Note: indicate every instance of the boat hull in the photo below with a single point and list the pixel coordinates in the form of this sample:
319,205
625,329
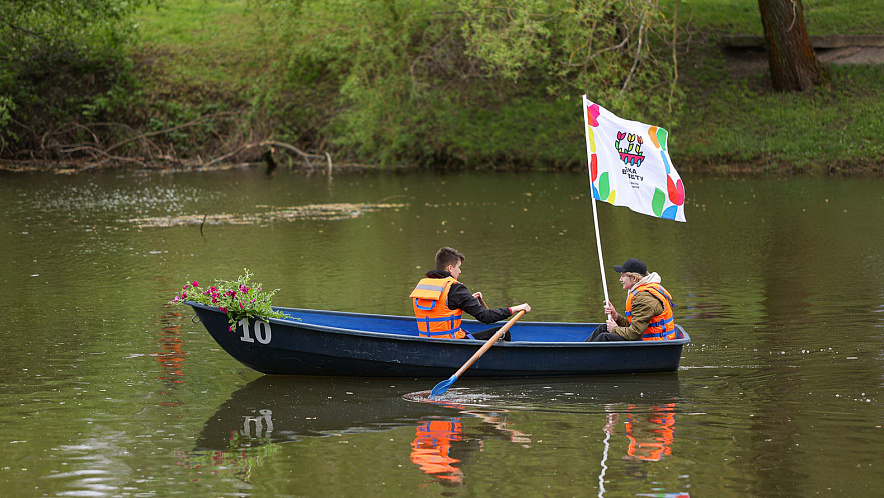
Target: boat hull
315,342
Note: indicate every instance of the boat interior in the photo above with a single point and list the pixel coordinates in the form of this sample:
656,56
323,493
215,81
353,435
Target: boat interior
401,325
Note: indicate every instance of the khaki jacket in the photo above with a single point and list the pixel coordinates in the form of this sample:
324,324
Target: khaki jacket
644,308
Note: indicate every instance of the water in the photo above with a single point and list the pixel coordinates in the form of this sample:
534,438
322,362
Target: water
109,391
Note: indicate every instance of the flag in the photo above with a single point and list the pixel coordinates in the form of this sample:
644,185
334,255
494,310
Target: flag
629,164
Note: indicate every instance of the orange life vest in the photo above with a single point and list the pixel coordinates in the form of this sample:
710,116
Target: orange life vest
434,317
431,446
662,326
654,446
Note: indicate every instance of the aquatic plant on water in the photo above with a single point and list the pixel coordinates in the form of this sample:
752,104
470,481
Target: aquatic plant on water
240,298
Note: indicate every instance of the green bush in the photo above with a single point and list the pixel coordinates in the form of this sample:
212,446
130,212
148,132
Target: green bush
62,61
414,79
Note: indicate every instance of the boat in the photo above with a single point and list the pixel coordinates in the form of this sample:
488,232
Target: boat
336,343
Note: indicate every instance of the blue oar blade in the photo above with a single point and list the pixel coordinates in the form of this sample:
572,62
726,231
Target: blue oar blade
443,386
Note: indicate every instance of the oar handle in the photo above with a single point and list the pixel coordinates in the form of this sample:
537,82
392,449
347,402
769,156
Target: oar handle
490,342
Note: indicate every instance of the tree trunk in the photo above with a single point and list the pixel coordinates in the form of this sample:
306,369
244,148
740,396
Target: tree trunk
793,63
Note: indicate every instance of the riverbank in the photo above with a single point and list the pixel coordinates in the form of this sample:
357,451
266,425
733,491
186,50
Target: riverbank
213,91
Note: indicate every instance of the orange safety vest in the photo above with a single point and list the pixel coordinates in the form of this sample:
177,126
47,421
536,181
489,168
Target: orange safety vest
663,423
662,326
431,446
434,317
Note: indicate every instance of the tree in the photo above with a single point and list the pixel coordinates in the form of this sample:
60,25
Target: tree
793,63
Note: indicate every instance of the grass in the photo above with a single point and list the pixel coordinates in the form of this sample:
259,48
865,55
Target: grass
839,17
746,124
220,42
823,17
733,119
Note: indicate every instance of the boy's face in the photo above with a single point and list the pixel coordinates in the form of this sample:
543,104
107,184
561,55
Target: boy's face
454,270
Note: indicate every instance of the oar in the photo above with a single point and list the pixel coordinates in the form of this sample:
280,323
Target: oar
443,386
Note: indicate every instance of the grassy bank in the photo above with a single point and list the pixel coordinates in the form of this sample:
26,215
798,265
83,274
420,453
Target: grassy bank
740,124
222,78
729,119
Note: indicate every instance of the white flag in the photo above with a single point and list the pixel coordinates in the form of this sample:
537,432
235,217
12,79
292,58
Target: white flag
629,164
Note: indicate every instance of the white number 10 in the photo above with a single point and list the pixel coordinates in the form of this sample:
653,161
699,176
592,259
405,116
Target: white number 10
262,331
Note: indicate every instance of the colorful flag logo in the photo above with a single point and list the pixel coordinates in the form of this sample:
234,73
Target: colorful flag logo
629,165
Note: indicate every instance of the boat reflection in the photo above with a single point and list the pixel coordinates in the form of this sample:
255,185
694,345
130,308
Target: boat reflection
247,428
639,411
275,409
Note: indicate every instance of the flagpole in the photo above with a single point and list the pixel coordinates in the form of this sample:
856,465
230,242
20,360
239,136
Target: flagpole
598,240
595,217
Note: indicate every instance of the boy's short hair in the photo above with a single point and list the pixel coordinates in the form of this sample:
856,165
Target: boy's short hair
447,256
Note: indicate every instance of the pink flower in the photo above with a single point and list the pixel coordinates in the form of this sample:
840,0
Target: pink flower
185,286
223,309
196,284
184,295
230,328
177,298
243,289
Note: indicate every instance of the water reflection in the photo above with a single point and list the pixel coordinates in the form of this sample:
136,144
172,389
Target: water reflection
650,430
441,447
638,415
171,357
650,434
445,440
431,449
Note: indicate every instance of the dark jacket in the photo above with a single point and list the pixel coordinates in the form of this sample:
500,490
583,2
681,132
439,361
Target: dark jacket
460,298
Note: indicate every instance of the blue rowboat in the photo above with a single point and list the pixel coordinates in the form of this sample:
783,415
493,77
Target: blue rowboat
317,342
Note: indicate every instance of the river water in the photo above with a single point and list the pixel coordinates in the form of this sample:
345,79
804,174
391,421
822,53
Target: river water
110,391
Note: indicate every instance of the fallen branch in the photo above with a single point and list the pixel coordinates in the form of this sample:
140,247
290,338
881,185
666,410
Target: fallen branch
174,128
152,154
107,157
273,143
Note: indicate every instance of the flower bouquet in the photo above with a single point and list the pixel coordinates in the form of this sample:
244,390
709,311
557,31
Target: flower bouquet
240,298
